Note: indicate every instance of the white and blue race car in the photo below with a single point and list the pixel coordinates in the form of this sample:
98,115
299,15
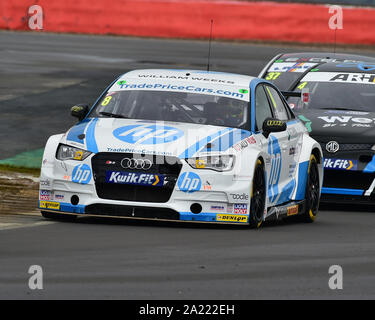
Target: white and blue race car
184,145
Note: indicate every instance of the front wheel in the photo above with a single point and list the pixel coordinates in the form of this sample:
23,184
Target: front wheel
258,196
312,196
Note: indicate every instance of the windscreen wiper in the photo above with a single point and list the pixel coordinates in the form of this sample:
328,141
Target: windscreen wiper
112,115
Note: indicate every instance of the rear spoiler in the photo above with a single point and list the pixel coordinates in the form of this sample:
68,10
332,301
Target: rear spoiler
288,94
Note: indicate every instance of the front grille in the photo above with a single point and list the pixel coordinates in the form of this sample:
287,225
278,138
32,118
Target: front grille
169,167
347,179
349,147
100,209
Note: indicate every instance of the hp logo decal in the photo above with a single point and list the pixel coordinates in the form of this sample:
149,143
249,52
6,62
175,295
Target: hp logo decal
189,182
147,134
81,174
332,146
128,163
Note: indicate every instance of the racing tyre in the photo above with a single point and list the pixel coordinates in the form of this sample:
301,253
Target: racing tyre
312,195
258,197
58,216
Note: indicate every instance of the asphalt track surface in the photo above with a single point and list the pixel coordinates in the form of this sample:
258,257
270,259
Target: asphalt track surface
42,76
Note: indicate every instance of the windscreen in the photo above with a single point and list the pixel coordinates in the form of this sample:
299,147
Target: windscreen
336,91
228,109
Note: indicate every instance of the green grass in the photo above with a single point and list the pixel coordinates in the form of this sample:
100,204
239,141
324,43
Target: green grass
25,162
9,168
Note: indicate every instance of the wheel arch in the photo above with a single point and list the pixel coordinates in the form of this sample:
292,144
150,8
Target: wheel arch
49,154
317,153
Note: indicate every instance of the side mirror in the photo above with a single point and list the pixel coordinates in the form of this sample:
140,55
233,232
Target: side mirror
79,111
273,125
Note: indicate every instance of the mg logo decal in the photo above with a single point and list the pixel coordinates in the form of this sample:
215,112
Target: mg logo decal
189,182
81,174
332,146
147,134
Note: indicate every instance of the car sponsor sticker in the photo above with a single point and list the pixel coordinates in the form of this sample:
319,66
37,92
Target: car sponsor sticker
343,121
218,208
292,210
145,179
244,143
81,174
207,186
340,164
360,78
45,182
59,197
45,195
240,196
49,205
240,208
189,182
231,218
230,208
291,67
147,134
276,165
184,86
360,65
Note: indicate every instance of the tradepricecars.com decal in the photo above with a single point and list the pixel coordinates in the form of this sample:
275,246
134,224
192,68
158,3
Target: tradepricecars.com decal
230,91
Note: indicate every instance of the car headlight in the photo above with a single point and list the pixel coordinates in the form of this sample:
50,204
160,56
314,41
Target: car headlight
65,152
217,163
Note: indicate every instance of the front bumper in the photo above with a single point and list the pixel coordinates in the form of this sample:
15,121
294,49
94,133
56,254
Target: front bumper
220,198
349,176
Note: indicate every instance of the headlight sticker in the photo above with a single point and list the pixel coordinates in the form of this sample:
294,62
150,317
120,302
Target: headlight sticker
78,155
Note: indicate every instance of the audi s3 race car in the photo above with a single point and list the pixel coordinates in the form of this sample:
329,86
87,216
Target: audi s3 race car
286,68
184,145
338,108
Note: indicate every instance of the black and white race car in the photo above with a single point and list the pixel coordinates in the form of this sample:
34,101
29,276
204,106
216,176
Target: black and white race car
338,108
286,68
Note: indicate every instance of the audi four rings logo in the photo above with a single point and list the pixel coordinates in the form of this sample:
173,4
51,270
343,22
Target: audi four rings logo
332,146
128,163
